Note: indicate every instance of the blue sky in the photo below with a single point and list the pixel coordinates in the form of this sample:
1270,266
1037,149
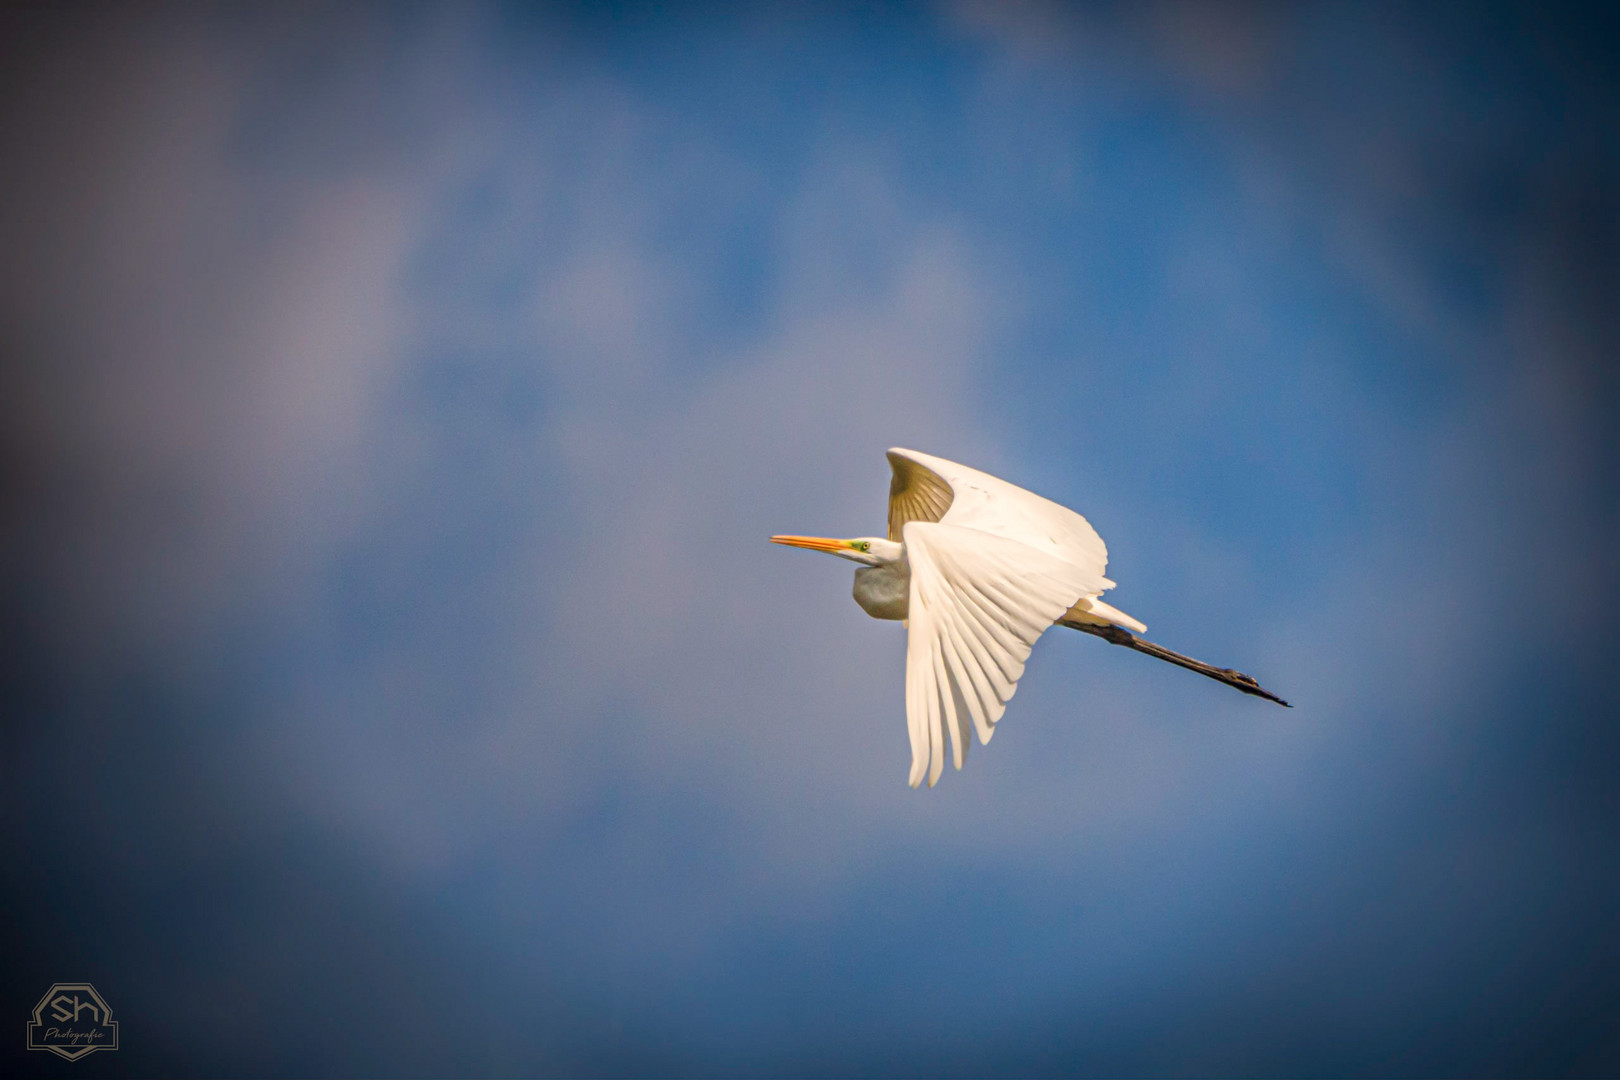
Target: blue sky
402,683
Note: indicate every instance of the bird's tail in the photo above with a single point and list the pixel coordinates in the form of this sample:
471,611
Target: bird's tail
1092,610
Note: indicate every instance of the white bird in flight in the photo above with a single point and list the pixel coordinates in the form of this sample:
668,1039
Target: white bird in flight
977,569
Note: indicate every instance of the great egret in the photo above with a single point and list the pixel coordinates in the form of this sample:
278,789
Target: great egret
977,569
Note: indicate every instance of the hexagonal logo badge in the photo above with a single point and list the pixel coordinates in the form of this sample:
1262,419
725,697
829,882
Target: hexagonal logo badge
72,1020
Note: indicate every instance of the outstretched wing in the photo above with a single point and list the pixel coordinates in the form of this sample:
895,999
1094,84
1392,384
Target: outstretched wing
916,492
927,488
978,603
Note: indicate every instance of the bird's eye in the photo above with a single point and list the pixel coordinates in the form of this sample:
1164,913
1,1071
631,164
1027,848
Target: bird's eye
866,545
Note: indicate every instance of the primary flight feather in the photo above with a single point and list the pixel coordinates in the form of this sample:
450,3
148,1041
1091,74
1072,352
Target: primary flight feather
977,569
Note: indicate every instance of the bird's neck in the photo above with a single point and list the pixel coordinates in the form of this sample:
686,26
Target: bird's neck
884,592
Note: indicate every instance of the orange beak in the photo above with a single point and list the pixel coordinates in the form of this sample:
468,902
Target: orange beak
814,543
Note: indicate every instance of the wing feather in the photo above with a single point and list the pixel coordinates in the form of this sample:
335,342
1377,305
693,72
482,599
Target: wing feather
982,705
916,493
1000,615
978,603
945,711
930,489
916,719
996,641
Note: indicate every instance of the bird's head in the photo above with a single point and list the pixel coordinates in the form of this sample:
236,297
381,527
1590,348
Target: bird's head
867,550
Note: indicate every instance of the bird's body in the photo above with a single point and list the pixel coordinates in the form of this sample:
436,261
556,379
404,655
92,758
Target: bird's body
978,569
884,592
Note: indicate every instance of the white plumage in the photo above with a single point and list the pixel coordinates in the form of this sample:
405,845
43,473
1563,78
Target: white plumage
978,568
992,566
